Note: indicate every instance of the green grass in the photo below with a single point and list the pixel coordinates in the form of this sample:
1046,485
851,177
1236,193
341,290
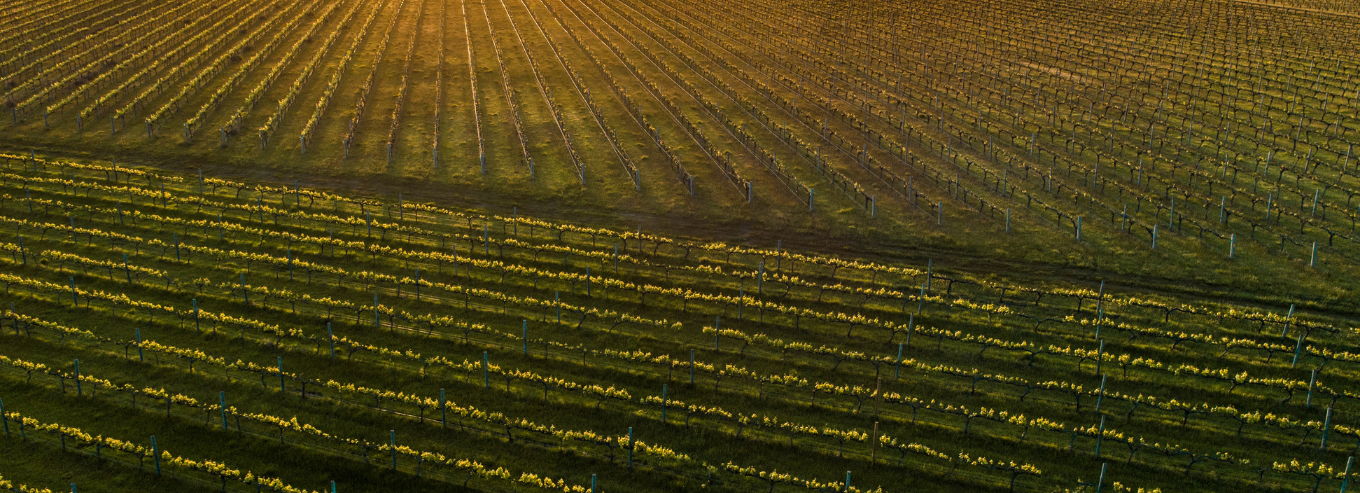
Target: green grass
607,198
705,440
993,72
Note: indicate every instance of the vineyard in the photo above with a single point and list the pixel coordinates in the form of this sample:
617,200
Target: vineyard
579,245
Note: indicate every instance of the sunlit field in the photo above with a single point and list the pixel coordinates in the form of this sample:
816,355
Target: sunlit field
620,246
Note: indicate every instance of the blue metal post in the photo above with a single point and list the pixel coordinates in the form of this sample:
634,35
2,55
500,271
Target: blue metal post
897,369
1346,477
1288,318
156,452
911,327
717,331
1101,395
1326,427
1101,437
760,278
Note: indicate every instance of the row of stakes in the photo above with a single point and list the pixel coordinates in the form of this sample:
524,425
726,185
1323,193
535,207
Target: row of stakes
872,201
486,375
392,441
939,209
486,383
